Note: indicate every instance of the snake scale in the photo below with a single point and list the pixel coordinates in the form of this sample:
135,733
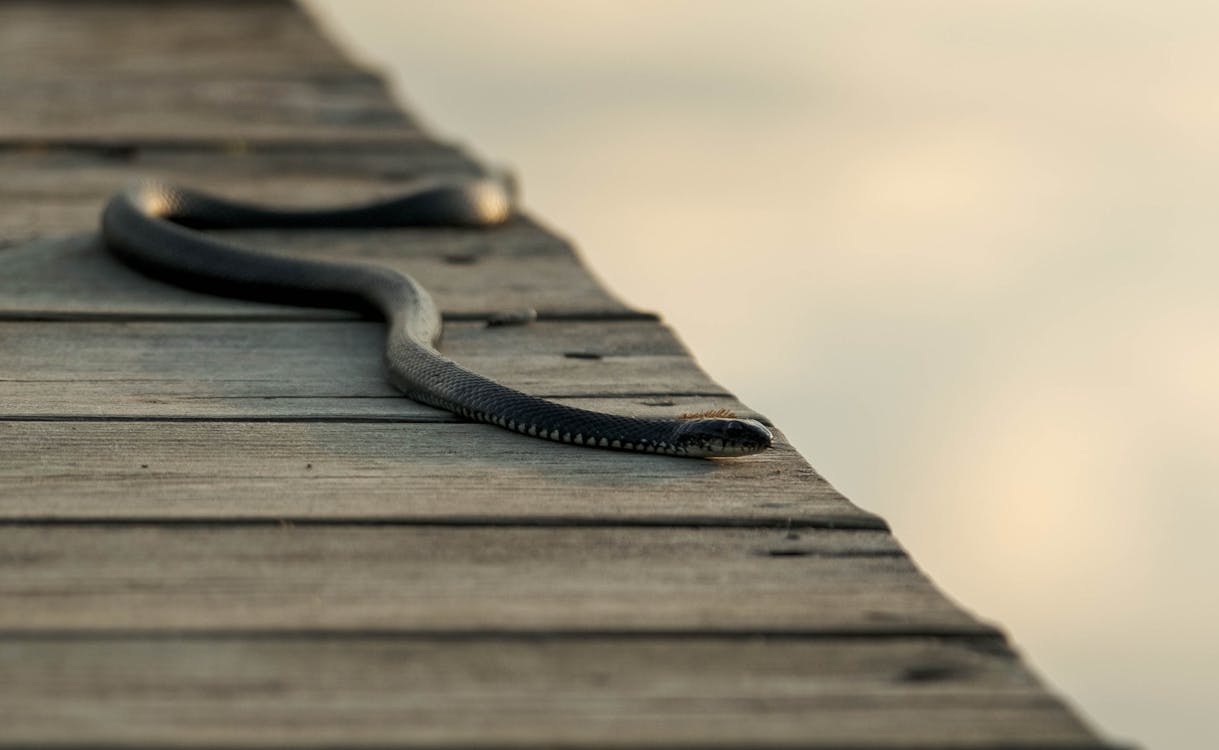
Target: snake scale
154,228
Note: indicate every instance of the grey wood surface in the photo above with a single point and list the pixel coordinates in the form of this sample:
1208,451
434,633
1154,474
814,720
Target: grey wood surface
465,473
180,70
44,38
219,527
467,579
312,691
332,106
475,274
57,188
293,369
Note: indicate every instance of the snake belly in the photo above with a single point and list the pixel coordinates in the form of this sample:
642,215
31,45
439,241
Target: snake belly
155,228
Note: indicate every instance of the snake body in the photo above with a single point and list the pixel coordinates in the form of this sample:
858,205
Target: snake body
153,227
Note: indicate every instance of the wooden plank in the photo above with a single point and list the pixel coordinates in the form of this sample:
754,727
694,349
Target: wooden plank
130,404
512,692
466,579
260,370
468,272
129,38
339,106
89,346
61,190
263,73
393,472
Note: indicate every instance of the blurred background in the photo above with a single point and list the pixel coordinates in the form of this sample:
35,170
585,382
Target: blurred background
963,254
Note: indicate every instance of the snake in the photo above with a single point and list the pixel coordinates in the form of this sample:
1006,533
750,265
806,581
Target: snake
159,230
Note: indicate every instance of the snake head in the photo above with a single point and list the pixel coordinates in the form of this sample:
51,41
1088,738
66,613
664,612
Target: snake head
715,437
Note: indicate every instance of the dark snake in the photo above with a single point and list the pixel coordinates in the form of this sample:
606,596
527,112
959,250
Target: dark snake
153,228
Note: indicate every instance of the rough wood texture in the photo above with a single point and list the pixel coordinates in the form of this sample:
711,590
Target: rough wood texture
474,274
444,579
320,106
57,189
524,692
117,38
219,527
314,369
418,472
164,71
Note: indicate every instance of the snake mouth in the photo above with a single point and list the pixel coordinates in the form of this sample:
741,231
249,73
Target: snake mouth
713,437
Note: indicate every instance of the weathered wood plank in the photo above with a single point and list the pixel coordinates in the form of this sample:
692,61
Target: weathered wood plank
139,38
61,189
174,348
255,407
398,472
511,692
466,579
287,171
471,273
340,106
259,370
263,73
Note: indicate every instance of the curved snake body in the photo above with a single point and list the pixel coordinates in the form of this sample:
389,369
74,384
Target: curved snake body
152,227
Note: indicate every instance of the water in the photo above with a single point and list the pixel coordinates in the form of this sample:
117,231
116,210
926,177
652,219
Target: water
963,254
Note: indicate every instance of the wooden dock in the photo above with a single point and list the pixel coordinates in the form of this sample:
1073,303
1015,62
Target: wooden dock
220,527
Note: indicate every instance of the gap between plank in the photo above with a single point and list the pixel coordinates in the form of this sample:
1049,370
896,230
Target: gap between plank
330,316
121,147
439,419
767,745
828,521
982,638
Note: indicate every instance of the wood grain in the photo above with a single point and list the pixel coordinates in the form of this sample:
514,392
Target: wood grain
402,472
515,693
257,370
179,71
131,38
330,105
61,189
463,580
470,273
